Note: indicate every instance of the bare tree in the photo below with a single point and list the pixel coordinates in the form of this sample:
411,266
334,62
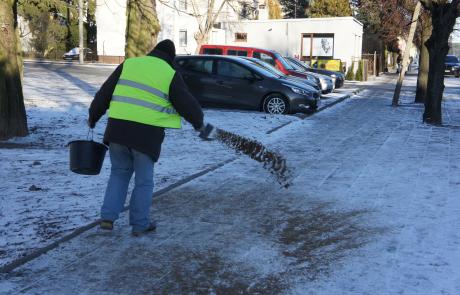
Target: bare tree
13,121
444,14
206,14
424,58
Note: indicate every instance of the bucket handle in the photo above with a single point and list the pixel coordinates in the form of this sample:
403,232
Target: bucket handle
92,134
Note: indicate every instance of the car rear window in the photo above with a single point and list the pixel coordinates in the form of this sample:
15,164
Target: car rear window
197,65
265,71
213,51
285,64
264,57
296,66
296,63
451,59
237,52
269,67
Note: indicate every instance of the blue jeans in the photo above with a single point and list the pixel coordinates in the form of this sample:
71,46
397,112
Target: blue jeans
125,162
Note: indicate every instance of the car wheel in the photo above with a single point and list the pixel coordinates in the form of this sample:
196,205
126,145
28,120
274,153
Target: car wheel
313,108
276,104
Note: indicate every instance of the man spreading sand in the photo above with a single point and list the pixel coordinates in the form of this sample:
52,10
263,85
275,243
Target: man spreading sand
144,95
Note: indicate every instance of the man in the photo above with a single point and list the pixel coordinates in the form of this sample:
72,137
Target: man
399,63
144,95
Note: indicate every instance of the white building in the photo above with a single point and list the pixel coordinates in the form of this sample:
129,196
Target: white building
175,21
323,38
330,38
111,28
180,26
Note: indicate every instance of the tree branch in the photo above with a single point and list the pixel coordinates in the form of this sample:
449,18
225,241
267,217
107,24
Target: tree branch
194,14
427,4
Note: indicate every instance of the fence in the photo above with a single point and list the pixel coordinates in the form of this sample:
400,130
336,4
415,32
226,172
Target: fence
374,63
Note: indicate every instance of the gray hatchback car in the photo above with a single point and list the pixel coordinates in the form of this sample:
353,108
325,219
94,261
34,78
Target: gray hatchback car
227,81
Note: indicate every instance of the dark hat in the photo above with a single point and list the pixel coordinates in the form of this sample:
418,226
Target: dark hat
167,47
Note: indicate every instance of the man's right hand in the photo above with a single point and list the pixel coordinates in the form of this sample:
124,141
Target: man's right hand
206,132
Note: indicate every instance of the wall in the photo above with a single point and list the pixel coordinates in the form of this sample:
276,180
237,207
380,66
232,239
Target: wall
284,35
111,28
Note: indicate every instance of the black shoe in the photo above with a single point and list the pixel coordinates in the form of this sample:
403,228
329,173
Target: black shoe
152,227
106,224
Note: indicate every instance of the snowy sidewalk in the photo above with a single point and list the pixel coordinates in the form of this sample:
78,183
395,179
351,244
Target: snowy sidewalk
41,201
374,209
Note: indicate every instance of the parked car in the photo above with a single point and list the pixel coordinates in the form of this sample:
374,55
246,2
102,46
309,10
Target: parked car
337,76
452,66
270,56
226,81
74,54
326,82
273,69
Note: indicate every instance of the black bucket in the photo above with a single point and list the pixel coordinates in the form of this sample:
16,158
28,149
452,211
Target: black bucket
86,156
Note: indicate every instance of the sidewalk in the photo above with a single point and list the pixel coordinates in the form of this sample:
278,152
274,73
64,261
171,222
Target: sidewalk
374,209
42,202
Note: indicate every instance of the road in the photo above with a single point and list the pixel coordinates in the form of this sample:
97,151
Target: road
373,209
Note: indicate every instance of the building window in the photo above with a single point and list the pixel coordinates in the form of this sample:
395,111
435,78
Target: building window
183,5
241,37
183,38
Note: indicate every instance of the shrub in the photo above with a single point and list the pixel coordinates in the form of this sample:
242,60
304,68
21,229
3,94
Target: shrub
351,72
359,73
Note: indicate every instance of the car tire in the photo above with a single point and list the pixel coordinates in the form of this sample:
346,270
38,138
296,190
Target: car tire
276,104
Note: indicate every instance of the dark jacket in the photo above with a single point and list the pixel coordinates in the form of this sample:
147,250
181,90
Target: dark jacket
144,138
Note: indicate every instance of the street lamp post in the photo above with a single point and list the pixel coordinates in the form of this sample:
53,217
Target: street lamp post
80,29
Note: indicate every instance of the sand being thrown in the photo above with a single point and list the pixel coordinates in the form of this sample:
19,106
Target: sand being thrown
272,161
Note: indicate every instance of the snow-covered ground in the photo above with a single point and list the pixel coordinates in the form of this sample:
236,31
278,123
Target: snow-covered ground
41,200
373,209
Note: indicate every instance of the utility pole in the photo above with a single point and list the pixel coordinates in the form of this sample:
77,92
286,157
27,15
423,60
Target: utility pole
80,29
405,61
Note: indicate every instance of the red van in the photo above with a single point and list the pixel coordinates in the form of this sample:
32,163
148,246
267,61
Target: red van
269,56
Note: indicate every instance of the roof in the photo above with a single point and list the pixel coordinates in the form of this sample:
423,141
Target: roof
293,20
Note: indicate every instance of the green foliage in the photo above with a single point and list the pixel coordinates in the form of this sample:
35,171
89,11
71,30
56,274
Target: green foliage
295,9
53,24
351,72
142,27
359,73
330,8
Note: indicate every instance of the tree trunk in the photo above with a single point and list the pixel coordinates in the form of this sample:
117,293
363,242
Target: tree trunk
142,27
443,19
68,38
424,61
13,120
201,38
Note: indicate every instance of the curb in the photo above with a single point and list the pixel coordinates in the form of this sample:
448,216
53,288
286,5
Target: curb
23,260
69,63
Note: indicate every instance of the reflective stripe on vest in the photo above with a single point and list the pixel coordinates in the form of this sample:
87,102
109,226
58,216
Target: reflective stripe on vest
140,86
143,103
142,93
